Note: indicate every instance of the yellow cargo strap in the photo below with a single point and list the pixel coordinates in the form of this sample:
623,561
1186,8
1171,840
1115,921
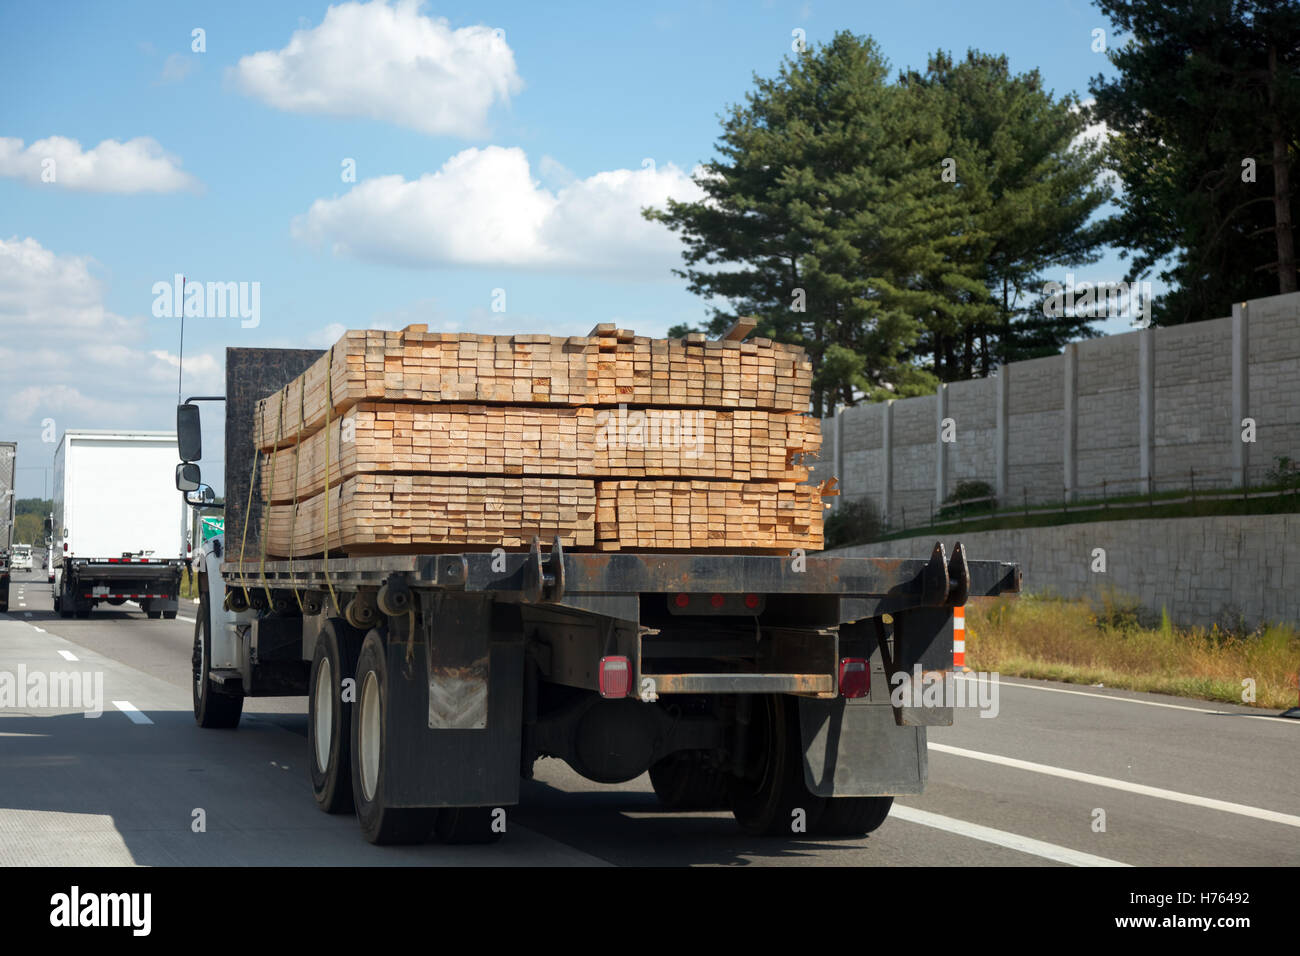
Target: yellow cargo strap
293,518
329,408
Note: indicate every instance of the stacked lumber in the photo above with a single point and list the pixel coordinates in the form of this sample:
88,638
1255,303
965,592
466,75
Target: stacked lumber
609,367
379,437
423,441
700,515
409,512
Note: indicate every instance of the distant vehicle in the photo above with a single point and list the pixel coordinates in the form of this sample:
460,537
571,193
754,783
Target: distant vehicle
118,534
21,559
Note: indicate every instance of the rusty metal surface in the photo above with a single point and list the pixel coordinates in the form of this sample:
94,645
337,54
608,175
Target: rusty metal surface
744,683
251,375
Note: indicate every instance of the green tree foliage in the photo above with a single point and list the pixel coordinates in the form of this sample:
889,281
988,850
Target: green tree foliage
872,221
1032,183
1207,92
29,520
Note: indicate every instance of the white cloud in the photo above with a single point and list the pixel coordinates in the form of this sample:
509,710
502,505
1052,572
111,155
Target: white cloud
177,66
484,208
136,166
70,359
387,63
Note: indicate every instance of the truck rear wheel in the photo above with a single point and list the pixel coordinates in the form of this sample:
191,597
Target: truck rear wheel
466,825
380,823
771,799
212,708
683,781
329,717
853,816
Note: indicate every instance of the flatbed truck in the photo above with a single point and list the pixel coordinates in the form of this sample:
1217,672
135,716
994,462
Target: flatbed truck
436,681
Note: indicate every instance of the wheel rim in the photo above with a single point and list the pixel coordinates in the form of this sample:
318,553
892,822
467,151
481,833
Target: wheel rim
368,736
324,724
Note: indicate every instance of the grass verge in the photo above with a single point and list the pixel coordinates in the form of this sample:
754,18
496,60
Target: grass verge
1071,641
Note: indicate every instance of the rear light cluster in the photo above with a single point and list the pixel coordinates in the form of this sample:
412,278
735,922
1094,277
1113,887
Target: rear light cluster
855,677
684,603
615,676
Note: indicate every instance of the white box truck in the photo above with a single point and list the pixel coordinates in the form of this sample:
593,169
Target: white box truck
118,534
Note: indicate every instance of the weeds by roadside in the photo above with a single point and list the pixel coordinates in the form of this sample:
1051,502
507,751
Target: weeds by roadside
1119,646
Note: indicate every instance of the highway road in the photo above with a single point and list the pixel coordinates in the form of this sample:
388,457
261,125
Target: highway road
1175,781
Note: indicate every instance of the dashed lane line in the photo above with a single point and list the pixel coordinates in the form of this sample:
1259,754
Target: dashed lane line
1012,841
134,715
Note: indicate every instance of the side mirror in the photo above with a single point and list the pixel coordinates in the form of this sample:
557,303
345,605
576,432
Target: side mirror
188,477
189,433
200,496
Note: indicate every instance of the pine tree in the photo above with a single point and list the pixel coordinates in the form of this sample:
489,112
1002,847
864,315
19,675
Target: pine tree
1206,112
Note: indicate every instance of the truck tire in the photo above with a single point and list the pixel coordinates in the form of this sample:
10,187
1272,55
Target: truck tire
329,717
380,823
853,816
466,825
682,781
212,709
766,801
169,615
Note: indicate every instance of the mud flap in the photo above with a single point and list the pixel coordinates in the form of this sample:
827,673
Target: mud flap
475,763
855,748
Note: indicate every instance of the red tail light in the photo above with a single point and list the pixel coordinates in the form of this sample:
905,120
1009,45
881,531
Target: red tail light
683,599
855,677
717,600
615,676
65,547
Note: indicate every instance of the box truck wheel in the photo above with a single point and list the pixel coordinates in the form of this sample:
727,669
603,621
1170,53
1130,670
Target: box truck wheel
771,798
212,708
853,816
329,715
380,823
684,781
169,615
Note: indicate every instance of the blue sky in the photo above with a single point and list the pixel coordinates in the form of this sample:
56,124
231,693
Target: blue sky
562,111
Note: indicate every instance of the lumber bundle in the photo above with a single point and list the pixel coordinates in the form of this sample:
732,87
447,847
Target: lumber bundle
700,515
423,441
610,367
379,437
408,512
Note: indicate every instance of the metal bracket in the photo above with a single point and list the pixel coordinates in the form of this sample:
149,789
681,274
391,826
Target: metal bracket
543,581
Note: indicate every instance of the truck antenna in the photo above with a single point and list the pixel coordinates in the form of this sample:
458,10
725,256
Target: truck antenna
180,358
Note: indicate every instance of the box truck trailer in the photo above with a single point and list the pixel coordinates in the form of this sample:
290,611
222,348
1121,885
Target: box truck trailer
118,533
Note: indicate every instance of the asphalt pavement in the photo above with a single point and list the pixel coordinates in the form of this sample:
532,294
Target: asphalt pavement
1064,775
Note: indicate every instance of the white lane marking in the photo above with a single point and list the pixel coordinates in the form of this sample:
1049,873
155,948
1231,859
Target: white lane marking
179,618
1012,841
134,715
40,629
1272,816
1133,700
68,655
